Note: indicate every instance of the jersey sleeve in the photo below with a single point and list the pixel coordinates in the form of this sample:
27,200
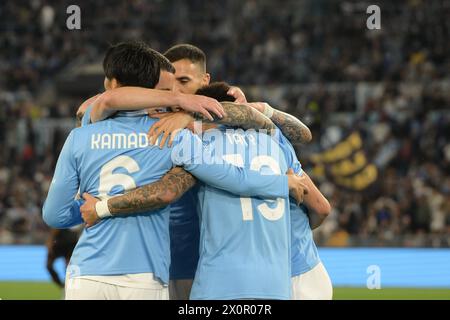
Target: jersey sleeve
87,116
289,153
195,157
60,209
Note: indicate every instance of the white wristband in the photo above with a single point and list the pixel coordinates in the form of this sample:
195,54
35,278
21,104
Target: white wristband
268,110
102,209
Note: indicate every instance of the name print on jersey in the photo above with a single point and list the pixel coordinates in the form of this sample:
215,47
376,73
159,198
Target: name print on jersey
238,141
247,143
119,141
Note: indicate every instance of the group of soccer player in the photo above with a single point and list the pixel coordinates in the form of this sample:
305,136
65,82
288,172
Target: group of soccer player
186,190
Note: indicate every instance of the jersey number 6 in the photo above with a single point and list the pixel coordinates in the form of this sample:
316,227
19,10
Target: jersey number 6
109,180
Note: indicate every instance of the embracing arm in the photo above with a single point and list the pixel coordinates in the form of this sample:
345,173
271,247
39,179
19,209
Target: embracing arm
160,194
291,127
218,172
130,98
136,98
236,115
146,198
155,195
316,202
316,221
242,116
60,211
82,108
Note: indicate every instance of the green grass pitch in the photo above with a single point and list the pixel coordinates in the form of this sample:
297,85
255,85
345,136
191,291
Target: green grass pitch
49,291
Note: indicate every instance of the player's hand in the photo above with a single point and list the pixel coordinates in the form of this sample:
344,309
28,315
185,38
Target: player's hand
297,187
238,95
201,104
82,108
88,212
169,124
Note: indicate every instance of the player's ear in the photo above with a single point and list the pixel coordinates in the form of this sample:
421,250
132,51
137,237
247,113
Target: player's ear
114,83
206,79
107,83
110,83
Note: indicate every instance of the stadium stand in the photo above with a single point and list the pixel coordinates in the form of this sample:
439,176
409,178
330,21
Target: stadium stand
309,58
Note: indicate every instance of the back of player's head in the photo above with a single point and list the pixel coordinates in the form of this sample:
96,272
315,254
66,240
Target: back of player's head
134,63
187,51
165,64
216,90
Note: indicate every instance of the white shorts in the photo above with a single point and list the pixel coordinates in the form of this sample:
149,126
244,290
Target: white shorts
124,287
312,285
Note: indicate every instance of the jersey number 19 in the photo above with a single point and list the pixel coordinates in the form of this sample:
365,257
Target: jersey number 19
256,164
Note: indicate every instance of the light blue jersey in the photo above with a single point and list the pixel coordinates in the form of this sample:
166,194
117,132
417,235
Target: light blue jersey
113,156
184,229
304,253
244,242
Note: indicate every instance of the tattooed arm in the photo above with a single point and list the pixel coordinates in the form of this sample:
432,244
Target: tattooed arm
319,207
146,198
236,115
155,195
242,116
291,127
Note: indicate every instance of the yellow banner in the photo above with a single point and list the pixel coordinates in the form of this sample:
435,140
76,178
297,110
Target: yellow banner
340,151
346,164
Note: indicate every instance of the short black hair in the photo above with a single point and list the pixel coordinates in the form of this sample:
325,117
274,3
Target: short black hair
216,90
133,63
186,51
165,64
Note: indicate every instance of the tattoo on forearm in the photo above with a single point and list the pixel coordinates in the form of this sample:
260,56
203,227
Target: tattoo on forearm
291,127
155,195
244,117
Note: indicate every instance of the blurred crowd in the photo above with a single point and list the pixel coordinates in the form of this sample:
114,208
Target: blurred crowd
313,58
409,205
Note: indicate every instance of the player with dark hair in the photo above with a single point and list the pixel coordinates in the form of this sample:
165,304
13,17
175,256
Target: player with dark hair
244,241
119,65
191,70
309,276
310,279
242,114
190,74
219,90
190,65
184,225
128,257
187,51
132,64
